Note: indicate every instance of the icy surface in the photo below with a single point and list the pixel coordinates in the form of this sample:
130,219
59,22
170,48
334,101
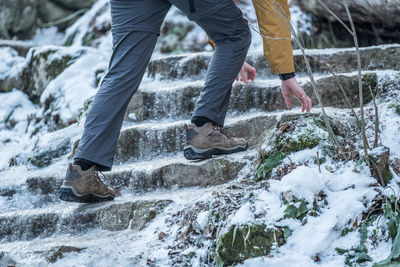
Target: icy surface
23,132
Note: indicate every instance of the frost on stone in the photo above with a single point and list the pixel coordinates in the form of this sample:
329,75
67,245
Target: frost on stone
240,243
43,64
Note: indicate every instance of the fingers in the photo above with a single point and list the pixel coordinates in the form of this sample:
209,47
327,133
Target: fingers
288,101
309,104
306,104
246,73
252,73
243,76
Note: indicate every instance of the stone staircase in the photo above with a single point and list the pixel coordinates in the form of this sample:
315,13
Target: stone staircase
156,180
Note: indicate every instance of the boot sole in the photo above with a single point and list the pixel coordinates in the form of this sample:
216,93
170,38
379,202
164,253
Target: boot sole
67,194
190,152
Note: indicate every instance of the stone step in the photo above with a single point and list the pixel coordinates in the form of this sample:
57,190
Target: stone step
151,139
121,214
160,173
341,60
177,100
40,190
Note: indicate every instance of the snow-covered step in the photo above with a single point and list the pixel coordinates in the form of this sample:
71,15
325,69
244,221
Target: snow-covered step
149,139
121,214
177,99
167,172
40,190
341,60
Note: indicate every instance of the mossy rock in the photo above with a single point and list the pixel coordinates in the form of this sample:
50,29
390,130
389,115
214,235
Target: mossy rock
247,241
395,105
302,132
44,64
57,253
133,215
380,168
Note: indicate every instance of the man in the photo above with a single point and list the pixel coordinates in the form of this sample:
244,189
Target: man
135,28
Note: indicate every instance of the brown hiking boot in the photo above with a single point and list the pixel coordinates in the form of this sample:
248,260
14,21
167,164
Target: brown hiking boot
84,186
208,140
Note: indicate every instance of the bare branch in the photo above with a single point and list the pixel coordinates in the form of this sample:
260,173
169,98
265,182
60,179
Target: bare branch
282,14
376,118
336,17
344,93
360,89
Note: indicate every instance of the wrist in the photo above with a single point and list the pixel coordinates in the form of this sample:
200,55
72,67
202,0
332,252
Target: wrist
287,76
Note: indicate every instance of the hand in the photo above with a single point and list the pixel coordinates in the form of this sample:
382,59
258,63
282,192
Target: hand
246,73
290,88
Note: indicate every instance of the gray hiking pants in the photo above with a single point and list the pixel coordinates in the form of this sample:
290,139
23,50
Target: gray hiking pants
135,29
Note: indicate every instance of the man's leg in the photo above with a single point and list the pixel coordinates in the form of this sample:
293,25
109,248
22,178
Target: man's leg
135,28
223,21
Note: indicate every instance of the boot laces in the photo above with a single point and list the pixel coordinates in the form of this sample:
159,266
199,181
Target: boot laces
220,129
96,174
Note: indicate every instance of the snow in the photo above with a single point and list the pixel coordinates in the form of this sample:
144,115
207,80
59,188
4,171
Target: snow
15,108
47,36
75,85
202,219
346,186
11,64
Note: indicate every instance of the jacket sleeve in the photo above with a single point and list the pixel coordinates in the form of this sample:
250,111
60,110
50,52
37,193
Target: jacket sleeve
275,31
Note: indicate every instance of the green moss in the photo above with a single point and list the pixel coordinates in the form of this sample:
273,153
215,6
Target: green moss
248,241
308,132
369,80
387,176
398,110
88,38
70,39
305,140
264,168
395,105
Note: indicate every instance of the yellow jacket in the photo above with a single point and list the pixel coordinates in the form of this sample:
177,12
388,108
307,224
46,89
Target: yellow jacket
273,17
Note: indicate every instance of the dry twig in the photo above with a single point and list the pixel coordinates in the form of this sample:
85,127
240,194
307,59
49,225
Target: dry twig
360,89
346,98
376,118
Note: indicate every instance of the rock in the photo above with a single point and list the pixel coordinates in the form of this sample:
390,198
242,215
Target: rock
376,22
50,12
380,165
57,253
13,228
177,67
43,156
10,68
172,36
211,173
86,32
297,132
362,11
332,96
43,185
148,140
75,4
20,46
17,17
135,216
21,18
247,241
43,65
